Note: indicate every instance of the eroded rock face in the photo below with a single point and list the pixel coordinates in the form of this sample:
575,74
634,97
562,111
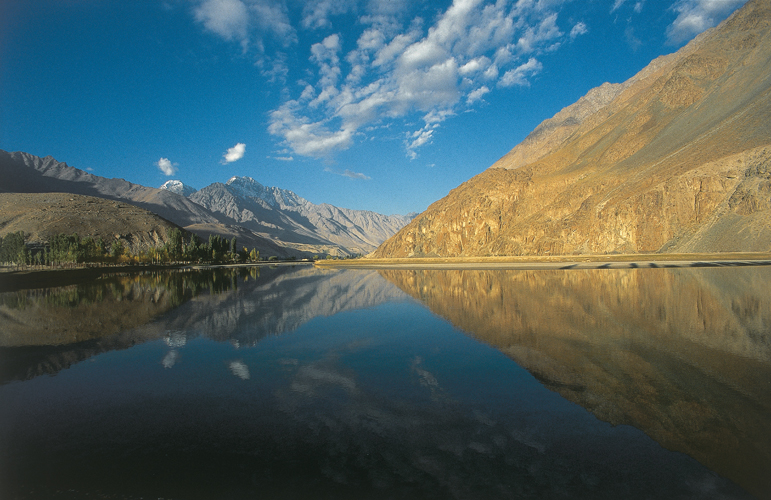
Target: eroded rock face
676,159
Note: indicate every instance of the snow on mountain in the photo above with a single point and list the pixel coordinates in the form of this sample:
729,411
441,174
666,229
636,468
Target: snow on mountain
178,187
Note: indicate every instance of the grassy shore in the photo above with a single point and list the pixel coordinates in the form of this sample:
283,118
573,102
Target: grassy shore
556,261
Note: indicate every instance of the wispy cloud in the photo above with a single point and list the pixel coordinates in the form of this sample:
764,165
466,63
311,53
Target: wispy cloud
318,14
227,18
348,173
694,16
356,175
166,166
248,22
578,30
234,154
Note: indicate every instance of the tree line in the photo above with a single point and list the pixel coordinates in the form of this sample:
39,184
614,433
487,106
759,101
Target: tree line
63,249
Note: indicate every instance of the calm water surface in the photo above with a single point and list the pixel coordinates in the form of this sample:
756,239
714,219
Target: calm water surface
293,382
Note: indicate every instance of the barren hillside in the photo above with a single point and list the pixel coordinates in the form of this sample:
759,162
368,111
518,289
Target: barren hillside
676,159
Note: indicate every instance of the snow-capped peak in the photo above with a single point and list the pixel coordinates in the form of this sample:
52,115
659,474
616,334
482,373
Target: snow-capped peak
178,187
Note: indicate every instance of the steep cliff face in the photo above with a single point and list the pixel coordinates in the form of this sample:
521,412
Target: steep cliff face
676,159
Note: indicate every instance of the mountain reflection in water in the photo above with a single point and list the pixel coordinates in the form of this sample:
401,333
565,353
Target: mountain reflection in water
682,354
294,382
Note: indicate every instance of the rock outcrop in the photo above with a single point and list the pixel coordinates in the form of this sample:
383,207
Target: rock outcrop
676,159
43,215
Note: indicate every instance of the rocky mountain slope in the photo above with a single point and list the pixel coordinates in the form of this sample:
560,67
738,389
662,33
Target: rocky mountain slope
272,220
43,215
676,159
287,217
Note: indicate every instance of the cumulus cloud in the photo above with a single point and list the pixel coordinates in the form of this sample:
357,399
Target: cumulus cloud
476,95
167,167
695,16
521,74
234,154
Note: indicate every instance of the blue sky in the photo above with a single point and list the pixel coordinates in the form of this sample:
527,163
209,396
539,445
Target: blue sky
382,105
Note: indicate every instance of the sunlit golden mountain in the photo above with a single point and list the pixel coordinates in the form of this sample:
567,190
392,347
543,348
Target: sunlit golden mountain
676,159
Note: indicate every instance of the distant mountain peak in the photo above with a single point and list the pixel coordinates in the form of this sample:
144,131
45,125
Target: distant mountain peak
273,196
178,187
243,181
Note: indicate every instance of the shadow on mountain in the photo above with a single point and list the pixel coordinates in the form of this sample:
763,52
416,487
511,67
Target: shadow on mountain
684,355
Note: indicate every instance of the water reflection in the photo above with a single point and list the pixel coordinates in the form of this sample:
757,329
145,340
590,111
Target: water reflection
47,330
683,354
302,383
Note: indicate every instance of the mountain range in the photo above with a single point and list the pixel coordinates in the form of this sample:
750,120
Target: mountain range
676,159
274,221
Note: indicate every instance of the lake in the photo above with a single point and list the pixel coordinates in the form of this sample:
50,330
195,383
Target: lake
297,382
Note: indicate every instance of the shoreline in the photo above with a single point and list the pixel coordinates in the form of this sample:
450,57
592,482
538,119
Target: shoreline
565,262
24,279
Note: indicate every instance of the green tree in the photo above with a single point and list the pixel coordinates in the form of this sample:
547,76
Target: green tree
117,249
174,236
13,248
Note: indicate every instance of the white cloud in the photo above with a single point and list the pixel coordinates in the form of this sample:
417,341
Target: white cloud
578,30
616,5
348,173
167,167
281,158
695,16
317,14
355,175
519,75
234,154
239,20
418,139
539,37
305,137
400,68
227,18
476,95
273,18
